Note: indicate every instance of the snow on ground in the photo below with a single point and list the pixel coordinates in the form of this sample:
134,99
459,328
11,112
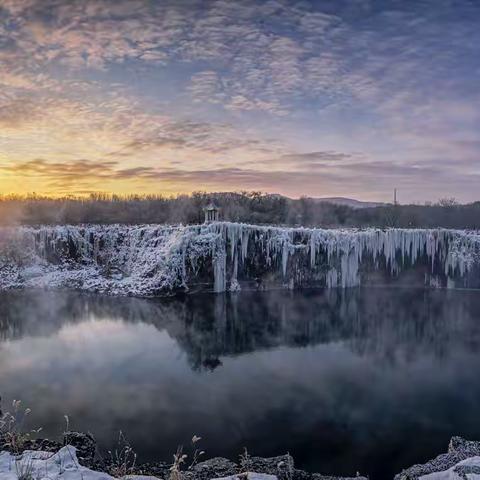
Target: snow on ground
249,476
62,465
468,469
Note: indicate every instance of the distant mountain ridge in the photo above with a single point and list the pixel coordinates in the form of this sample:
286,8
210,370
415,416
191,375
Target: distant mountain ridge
349,202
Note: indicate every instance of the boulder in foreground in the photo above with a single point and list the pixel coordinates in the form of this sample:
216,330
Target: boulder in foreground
461,462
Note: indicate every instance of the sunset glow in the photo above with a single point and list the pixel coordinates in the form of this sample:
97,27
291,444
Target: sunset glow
318,98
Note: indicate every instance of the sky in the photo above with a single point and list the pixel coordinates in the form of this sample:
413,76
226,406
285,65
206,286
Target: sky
303,98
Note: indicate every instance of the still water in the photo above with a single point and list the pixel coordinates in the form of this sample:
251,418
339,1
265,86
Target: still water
372,379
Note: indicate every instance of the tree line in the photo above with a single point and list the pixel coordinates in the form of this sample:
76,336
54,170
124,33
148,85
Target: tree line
248,207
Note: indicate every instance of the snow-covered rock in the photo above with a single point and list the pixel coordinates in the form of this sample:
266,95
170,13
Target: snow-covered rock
139,477
62,465
155,259
468,469
249,476
461,462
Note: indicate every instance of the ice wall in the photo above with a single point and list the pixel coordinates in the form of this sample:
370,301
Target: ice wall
152,259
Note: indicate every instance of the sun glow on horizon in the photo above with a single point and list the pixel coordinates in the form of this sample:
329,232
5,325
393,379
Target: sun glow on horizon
317,99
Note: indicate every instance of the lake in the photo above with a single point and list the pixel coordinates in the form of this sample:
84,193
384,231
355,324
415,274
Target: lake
368,379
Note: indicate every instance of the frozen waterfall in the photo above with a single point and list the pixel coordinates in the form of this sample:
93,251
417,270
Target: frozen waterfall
155,259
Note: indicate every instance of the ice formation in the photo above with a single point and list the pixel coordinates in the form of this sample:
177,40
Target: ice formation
153,259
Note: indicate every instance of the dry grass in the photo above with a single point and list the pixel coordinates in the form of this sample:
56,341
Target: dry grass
13,435
121,462
123,459
245,461
180,459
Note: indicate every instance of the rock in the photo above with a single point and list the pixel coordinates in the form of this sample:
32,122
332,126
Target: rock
157,469
301,473
467,447
215,467
317,476
282,466
273,468
36,444
140,477
249,476
84,444
470,467
459,449
44,445
48,466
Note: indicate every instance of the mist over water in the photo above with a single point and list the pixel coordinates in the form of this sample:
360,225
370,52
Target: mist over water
371,379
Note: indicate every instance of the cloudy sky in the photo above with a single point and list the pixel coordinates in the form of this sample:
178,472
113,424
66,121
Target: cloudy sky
308,97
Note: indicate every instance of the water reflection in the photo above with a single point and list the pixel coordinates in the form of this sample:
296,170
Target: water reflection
344,380
389,324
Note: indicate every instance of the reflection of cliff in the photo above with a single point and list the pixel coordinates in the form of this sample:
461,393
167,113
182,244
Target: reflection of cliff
393,324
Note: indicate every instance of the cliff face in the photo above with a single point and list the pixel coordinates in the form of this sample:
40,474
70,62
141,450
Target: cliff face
153,260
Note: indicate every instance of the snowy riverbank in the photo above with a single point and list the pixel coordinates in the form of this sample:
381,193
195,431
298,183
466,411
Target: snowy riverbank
461,462
154,260
64,465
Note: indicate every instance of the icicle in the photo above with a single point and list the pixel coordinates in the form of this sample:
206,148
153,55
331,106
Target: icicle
154,258
284,257
219,271
244,243
332,278
234,285
313,250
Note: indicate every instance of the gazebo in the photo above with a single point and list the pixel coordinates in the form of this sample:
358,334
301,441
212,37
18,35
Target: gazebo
211,213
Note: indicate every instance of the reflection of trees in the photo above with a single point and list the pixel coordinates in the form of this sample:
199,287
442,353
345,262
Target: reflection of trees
391,324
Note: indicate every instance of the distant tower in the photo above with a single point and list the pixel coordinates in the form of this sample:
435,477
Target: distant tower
212,213
395,196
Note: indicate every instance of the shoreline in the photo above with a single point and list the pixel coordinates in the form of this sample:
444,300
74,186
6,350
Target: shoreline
461,459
